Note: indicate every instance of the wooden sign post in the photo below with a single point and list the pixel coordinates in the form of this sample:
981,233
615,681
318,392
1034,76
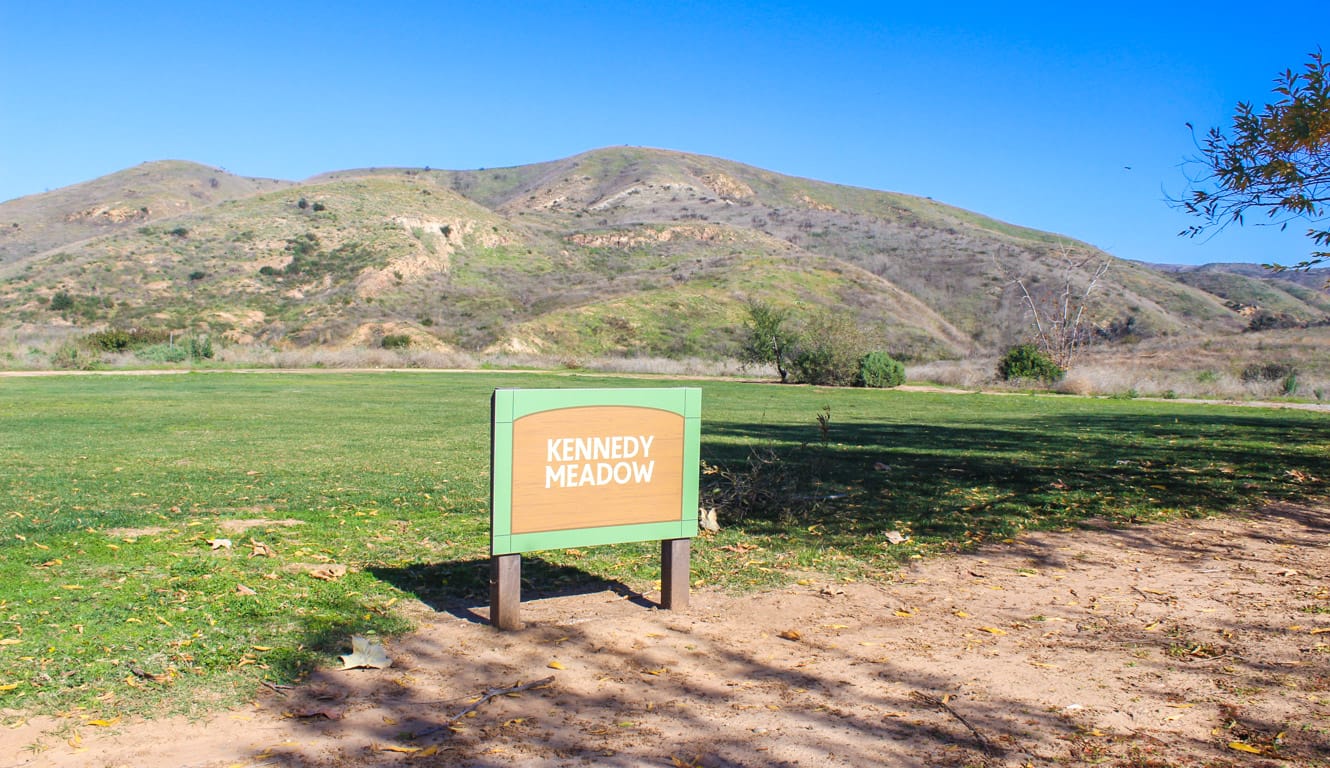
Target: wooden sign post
581,467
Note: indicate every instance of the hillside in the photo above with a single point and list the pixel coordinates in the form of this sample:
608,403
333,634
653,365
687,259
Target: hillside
122,200
620,251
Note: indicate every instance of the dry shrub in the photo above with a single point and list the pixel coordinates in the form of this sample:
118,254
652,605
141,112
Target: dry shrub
1074,385
971,373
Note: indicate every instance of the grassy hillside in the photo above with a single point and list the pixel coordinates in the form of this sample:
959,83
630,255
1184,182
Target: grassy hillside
121,201
622,251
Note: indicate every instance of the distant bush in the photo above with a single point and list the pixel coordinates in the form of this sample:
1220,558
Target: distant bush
269,271
320,207
200,347
302,203
1268,372
197,275
1025,361
395,341
179,232
163,353
880,370
122,339
61,301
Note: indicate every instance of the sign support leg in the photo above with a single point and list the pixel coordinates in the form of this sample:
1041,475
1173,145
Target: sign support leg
505,591
674,566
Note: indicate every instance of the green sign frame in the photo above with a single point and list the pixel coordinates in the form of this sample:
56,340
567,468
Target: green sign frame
510,405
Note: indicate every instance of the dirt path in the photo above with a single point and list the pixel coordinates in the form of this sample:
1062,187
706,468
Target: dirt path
1192,643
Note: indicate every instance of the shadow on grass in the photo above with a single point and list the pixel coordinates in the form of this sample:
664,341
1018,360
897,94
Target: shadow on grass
461,587
962,483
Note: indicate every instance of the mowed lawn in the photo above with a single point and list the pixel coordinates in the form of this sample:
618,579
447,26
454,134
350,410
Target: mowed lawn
118,595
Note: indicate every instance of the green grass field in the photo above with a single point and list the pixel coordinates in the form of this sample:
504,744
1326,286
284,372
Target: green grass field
112,599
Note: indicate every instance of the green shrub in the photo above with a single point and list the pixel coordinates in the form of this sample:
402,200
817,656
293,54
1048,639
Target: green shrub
1268,372
200,347
1025,361
197,275
396,341
880,370
121,339
61,301
163,353
1290,385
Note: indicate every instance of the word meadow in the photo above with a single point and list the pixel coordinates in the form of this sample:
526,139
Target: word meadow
616,459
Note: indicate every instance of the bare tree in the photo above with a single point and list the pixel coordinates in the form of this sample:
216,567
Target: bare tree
1057,317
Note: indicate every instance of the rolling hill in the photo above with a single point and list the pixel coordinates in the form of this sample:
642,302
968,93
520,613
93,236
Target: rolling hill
619,251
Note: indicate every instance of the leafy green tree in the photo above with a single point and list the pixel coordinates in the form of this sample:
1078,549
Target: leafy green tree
1276,162
768,337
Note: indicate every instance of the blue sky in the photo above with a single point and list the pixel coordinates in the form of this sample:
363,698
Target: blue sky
1039,114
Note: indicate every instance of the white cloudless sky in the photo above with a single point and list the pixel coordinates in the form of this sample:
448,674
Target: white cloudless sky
1068,117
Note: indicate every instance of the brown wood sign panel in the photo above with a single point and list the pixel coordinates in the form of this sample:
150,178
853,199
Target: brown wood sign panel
596,466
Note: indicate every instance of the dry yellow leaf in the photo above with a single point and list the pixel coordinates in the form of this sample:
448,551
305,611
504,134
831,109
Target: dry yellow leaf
71,586
555,665
9,641
960,614
657,672
993,630
904,614
1243,747
789,634
403,750
104,723
261,647
10,686
427,751
1181,706
1320,631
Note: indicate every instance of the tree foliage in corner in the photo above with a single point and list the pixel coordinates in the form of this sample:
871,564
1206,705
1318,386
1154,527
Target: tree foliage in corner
1277,161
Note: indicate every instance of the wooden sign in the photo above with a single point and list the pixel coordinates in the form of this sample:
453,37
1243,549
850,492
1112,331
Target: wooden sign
581,467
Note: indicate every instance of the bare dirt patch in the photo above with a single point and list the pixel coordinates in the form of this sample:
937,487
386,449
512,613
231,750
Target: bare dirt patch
240,526
1192,643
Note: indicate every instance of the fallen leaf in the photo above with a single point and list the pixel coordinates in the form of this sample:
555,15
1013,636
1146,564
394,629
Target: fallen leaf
330,572
1243,747
402,750
219,543
789,634
10,641
10,686
960,614
104,723
742,546
896,537
244,590
259,549
555,665
993,630
1320,631
366,653
904,614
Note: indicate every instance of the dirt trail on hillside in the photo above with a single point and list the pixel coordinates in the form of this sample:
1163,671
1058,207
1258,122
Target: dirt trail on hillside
1190,643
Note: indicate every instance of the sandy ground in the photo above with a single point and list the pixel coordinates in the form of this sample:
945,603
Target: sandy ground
1191,643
